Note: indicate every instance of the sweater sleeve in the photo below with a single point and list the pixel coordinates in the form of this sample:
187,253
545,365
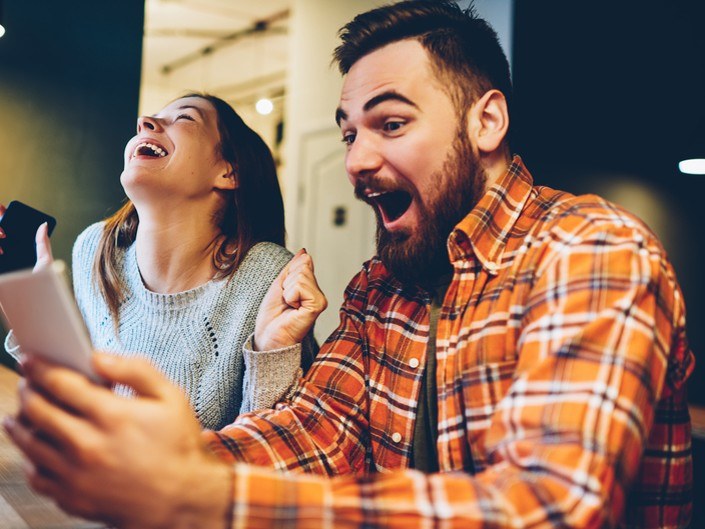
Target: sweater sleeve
269,375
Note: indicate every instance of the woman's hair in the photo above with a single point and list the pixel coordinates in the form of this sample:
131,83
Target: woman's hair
254,211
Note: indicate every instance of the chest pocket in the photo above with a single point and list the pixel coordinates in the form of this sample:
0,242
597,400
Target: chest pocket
483,387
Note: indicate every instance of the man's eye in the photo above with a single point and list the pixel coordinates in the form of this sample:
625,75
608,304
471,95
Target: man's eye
393,126
348,139
184,116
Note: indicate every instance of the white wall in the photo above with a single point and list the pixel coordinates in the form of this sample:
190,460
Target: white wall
313,175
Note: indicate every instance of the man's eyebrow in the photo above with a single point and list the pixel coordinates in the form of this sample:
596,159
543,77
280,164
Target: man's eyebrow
391,95
388,96
340,115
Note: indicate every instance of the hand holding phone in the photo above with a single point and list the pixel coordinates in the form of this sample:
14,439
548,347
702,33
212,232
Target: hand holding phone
40,310
18,231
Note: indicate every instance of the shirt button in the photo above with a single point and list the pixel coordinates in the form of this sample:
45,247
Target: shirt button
396,437
414,363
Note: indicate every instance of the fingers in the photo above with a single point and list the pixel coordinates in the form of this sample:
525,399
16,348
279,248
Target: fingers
44,254
36,448
66,389
300,288
46,467
136,373
301,260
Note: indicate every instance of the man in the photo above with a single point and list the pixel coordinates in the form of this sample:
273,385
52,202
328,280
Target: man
515,356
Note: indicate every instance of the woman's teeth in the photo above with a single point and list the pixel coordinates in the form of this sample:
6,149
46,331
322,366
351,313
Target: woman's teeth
149,150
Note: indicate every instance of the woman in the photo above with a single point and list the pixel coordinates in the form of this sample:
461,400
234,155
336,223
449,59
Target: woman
179,272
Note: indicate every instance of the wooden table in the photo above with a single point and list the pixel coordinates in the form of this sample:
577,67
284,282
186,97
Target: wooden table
20,507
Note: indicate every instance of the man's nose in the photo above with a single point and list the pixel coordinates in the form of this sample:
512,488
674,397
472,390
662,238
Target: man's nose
148,123
363,157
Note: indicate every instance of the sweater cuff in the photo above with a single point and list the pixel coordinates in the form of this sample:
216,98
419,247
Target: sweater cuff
270,376
12,347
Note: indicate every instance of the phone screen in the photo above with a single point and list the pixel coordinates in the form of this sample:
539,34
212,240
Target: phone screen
20,223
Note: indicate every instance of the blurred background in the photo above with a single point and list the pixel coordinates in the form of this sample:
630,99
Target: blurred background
609,97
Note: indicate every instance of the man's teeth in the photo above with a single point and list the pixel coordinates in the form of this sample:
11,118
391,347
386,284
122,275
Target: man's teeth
155,149
374,195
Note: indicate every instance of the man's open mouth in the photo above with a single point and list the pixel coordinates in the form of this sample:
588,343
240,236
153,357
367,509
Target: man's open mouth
391,204
149,149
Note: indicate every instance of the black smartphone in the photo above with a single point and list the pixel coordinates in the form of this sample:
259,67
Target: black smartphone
20,223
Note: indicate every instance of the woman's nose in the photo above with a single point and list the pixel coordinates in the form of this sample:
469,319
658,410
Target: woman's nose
146,122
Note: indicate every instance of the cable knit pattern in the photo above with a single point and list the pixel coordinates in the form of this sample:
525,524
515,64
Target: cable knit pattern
194,337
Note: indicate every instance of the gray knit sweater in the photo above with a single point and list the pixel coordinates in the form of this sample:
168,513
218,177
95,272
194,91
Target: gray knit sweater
195,337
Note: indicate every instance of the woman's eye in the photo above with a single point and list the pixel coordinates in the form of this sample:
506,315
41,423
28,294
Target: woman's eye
184,116
393,126
348,139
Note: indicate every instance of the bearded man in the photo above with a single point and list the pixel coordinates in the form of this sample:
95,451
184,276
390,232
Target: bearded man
514,356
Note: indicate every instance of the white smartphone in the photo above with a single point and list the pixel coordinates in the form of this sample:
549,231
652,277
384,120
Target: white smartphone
40,309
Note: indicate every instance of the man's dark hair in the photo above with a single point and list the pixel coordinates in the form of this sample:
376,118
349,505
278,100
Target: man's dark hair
464,49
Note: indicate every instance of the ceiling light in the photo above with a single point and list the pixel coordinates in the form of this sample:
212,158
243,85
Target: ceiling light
692,166
264,106
2,28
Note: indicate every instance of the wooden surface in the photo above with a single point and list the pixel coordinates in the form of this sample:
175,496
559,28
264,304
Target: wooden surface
20,507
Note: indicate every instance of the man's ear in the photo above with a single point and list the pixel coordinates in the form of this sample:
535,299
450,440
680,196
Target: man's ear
227,178
488,122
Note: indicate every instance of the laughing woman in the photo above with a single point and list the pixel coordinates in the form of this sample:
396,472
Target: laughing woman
179,272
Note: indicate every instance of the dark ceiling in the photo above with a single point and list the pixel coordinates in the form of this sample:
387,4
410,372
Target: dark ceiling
610,95
609,85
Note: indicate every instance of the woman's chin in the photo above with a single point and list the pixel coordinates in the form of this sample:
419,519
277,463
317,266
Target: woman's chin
140,189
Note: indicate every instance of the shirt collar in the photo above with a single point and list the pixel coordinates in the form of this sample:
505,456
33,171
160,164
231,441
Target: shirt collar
485,230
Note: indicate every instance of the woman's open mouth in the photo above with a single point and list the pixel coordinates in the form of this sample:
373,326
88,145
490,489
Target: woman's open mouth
151,150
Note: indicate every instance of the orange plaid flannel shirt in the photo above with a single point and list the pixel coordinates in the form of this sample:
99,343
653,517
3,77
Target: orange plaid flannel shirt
561,369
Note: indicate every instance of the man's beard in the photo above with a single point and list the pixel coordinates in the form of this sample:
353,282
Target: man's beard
421,256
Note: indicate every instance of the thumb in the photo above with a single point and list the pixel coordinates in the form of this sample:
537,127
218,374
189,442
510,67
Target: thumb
274,293
44,254
136,373
284,271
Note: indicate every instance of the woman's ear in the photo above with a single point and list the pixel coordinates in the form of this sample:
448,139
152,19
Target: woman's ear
488,122
226,179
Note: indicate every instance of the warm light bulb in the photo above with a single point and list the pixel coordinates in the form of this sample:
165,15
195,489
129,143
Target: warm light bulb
264,106
2,30
692,166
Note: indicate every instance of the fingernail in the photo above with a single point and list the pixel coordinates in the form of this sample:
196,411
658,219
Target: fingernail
24,362
8,423
29,469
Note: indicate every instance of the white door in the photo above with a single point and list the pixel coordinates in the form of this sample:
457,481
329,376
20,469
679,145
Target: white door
335,228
